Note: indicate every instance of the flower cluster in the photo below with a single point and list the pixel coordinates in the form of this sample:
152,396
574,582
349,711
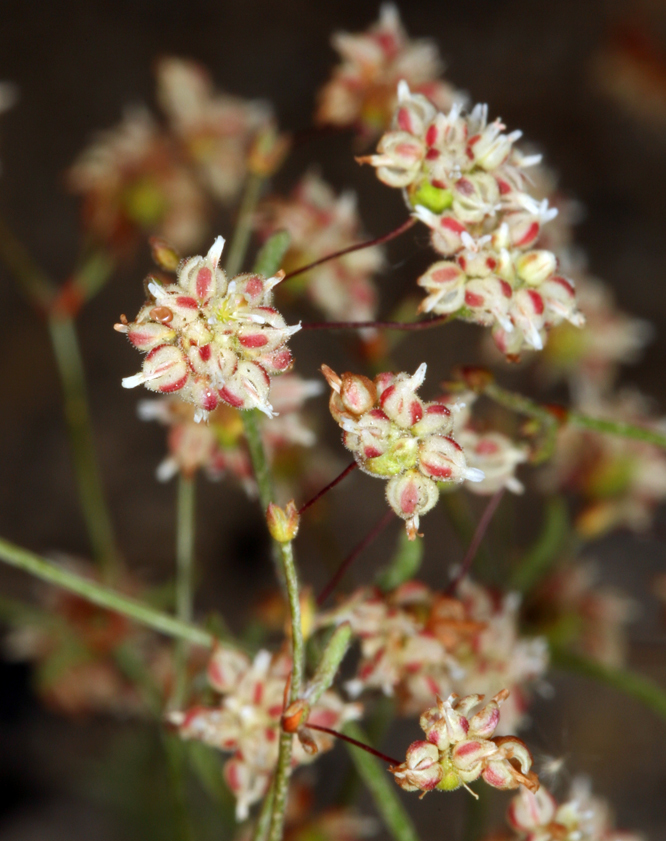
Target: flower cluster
211,339
132,178
246,723
573,608
361,91
537,816
464,178
394,435
618,481
319,223
216,130
459,748
416,643
490,451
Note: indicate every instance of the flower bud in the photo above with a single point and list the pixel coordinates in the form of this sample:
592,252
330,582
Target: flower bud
283,523
357,393
445,281
534,267
411,494
163,254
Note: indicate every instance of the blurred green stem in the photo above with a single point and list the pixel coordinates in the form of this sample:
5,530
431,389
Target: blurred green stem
77,414
185,539
102,596
637,686
243,230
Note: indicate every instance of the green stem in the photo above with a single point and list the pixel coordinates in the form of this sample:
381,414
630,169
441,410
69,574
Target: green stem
77,415
37,287
255,444
283,770
637,686
547,547
384,792
263,824
243,230
523,405
102,596
185,531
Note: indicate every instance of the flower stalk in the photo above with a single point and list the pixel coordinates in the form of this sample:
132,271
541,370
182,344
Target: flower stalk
185,540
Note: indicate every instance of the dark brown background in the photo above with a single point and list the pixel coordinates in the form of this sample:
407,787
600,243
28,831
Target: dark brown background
77,65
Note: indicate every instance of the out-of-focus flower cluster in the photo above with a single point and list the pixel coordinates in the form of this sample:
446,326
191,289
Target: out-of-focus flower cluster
416,643
537,816
618,481
465,179
361,91
319,223
460,748
143,177
211,339
246,722
219,447
76,648
394,435
572,608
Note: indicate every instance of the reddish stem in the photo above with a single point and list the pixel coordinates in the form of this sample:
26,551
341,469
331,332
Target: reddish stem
328,487
356,551
354,742
378,325
479,534
379,241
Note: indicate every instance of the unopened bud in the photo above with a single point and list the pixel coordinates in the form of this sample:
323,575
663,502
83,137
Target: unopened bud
283,523
536,266
358,393
477,379
268,150
295,716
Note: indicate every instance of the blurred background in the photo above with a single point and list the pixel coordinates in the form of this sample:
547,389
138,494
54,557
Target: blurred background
585,81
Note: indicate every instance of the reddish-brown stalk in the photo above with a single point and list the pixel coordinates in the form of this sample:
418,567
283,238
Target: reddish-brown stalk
368,244
351,557
354,742
479,534
328,487
378,325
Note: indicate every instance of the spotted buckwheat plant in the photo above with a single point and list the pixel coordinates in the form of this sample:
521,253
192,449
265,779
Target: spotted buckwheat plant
459,748
464,178
362,89
394,435
211,339
246,722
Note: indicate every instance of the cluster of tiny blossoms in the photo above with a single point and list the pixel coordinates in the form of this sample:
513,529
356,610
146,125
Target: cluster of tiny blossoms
319,223
361,91
211,339
417,643
459,748
246,722
464,179
394,435
537,816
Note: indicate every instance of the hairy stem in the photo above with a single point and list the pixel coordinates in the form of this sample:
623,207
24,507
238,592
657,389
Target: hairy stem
368,244
283,769
77,415
185,539
103,596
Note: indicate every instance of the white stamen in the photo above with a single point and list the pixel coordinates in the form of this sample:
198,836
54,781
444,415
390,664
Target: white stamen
155,289
426,216
473,474
403,91
133,382
166,470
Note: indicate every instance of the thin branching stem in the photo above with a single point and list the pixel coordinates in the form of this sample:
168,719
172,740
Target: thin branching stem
368,244
353,555
426,324
330,486
355,742
479,534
